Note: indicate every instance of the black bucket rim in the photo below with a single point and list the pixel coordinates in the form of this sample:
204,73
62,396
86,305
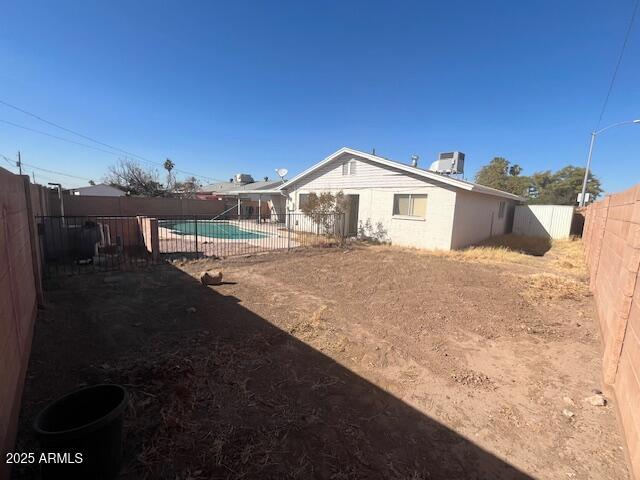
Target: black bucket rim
89,427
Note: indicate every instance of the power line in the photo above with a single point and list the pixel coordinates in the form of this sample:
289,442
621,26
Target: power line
55,172
86,137
67,129
9,161
59,138
13,165
45,178
617,67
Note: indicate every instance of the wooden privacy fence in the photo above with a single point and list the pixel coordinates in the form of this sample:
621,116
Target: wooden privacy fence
612,248
83,205
20,292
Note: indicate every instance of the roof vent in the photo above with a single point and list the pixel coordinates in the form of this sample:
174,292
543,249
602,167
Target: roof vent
414,160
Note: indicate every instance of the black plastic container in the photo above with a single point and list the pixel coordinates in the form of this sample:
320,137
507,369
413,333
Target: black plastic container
84,425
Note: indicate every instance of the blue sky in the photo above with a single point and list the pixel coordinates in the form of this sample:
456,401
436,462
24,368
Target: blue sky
237,86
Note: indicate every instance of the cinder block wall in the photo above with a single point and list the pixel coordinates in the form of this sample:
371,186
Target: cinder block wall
612,247
81,205
20,290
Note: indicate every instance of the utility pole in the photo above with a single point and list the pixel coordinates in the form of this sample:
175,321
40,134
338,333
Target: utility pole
19,163
33,175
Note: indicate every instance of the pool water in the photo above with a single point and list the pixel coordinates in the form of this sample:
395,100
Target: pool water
212,229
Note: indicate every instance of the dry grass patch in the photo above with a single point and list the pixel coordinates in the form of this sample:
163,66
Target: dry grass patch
475,254
502,249
488,255
569,255
309,239
484,255
535,246
566,255
547,287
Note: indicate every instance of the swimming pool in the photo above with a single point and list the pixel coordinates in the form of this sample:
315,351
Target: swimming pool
211,229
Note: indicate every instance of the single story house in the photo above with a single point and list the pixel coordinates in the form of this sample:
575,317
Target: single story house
99,190
228,192
398,203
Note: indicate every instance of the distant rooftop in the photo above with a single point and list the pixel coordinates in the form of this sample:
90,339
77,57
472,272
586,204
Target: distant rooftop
98,190
227,187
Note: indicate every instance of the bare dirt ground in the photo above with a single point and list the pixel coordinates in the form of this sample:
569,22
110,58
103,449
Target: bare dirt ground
337,363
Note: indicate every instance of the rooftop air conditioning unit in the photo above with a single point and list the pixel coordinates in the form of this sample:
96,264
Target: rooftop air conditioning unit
243,178
449,163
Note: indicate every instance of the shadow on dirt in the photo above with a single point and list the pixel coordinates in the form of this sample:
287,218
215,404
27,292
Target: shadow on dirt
219,392
535,246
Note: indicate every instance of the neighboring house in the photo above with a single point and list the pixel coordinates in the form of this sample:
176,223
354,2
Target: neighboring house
399,203
99,190
241,182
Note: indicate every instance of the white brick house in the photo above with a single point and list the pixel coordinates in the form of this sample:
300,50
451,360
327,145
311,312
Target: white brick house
399,203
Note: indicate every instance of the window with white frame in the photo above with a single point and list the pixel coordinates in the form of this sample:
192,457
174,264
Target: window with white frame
501,208
349,168
410,205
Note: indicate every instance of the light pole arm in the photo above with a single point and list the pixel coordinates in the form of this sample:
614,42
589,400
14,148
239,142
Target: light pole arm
586,173
627,122
593,139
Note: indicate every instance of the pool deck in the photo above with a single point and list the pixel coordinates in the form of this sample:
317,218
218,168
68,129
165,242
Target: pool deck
276,238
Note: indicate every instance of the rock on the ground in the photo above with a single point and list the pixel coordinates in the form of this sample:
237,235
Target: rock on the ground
596,400
568,413
211,278
568,400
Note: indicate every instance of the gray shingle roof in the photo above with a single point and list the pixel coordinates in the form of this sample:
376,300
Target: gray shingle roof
225,187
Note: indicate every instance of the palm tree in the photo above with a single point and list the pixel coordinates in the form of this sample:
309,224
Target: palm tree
168,166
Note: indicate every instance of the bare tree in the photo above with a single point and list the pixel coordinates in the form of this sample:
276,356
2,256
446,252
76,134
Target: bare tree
129,176
188,188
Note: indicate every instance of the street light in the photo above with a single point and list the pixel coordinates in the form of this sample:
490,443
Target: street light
593,139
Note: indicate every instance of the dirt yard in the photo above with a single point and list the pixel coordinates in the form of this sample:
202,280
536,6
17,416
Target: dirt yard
361,362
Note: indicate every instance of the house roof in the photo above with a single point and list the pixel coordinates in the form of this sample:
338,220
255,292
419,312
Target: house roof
232,188
437,177
98,187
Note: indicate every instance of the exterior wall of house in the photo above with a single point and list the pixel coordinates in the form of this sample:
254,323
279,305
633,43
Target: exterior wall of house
477,218
376,186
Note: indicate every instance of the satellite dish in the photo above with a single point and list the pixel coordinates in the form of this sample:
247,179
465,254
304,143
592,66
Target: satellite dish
282,172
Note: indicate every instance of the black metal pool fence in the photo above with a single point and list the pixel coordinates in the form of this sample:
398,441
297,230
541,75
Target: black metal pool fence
101,243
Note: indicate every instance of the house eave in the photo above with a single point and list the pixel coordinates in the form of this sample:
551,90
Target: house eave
255,192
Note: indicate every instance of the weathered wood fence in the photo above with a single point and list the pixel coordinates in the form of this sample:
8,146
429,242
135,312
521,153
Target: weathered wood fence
20,292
